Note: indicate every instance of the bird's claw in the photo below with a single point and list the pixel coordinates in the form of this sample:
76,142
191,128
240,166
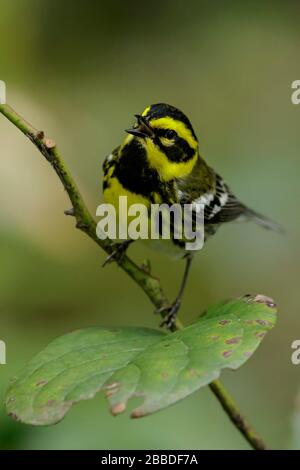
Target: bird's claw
170,314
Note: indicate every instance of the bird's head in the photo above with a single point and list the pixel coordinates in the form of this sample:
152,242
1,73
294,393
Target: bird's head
168,139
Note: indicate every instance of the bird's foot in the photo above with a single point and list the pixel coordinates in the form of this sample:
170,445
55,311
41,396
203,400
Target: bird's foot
119,250
170,313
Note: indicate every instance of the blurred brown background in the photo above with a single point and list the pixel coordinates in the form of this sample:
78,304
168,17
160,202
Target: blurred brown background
80,70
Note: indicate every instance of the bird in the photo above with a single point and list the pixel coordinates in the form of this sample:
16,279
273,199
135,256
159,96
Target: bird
159,161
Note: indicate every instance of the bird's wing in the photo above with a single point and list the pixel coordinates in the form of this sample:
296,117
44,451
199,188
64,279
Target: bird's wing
224,207
204,186
220,204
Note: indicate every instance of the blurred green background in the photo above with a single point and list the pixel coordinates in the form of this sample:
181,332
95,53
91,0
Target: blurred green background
80,70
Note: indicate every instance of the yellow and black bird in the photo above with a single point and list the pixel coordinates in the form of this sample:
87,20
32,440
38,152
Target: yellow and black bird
159,162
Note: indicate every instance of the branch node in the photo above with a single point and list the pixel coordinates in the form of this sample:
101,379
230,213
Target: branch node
31,137
50,144
70,212
40,135
146,266
81,225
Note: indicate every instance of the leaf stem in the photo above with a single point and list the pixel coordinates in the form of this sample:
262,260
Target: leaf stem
149,284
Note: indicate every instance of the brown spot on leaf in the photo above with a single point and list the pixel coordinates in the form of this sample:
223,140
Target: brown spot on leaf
264,322
165,375
136,414
261,322
234,340
247,353
249,322
224,322
51,402
112,386
260,334
227,353
263,299
41,382
118,408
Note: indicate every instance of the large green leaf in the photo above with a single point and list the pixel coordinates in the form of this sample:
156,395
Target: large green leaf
138,362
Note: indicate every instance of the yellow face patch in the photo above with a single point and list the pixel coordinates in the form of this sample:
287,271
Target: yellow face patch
178,126
167,170
157,159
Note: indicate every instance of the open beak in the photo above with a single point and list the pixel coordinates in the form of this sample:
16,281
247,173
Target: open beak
143,129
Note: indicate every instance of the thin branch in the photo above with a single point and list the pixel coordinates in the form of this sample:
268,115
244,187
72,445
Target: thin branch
84,219
230,407
150,285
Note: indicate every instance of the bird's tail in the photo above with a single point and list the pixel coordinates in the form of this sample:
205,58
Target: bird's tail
263,221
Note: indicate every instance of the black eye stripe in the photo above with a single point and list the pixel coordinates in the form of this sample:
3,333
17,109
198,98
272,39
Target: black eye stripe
179,152
167,133
170,134
189,151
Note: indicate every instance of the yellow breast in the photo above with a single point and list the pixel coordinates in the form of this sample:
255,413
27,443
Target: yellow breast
114,190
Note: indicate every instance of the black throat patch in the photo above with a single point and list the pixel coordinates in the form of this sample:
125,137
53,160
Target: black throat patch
133,171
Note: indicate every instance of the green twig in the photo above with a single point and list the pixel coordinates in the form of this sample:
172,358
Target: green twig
235,416
150,285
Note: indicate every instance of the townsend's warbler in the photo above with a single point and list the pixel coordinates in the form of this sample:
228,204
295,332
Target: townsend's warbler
159,162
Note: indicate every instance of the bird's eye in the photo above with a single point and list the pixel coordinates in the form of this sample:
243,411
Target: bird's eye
170,134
